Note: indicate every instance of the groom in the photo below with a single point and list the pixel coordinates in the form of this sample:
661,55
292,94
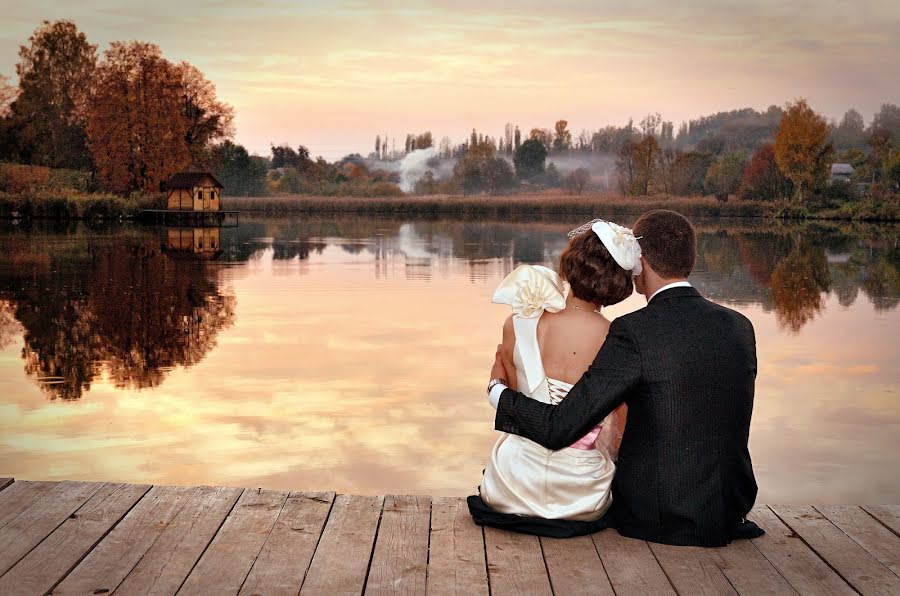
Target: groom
686,368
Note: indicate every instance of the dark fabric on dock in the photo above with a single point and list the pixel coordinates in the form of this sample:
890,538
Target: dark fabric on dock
551,528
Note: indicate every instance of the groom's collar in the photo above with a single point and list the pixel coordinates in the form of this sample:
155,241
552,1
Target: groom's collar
678,289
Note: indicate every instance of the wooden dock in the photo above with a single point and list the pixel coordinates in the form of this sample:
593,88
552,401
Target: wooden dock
100,538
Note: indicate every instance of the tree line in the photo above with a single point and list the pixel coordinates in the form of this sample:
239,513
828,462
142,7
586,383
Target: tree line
131,117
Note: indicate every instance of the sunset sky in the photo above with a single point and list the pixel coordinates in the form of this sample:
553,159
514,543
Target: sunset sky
332,75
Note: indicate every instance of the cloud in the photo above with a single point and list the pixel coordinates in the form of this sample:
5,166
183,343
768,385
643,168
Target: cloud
334,74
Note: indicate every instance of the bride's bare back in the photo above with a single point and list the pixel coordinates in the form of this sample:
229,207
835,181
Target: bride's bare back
569,340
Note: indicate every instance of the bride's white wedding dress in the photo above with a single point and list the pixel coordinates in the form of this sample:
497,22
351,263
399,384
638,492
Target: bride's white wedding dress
523,477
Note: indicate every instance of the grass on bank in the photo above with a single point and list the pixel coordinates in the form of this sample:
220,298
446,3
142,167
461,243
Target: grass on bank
52,204
76,205
556,203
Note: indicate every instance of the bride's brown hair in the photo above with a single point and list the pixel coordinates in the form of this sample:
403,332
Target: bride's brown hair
592,272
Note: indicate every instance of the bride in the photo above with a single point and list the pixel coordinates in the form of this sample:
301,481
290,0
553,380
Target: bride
549,341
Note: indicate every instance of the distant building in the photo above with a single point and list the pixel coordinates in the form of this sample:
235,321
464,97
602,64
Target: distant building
841,172
193,191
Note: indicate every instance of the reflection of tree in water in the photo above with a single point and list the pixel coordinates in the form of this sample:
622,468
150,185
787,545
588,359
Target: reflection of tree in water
798,283
9,326
800,265
118,306
882,284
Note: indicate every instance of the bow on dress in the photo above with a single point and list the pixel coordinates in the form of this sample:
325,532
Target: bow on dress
531,290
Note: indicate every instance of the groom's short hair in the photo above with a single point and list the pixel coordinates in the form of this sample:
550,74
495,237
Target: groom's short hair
668,242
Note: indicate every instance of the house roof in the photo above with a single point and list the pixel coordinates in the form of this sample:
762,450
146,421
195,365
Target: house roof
190,180
841,168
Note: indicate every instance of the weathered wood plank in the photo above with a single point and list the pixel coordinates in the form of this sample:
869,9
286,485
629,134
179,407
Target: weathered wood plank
889,515
800,566
39,520
4,482
747,570
284,559
342,557
20,496
575,567
691,570
848,558
867,532
113,559
224,566
168,562
630,565
456,562
400,557
515,563
57,554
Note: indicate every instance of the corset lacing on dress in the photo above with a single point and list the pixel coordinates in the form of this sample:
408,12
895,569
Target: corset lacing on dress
559,390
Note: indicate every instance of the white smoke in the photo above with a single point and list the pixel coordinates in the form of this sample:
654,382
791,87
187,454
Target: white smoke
414,166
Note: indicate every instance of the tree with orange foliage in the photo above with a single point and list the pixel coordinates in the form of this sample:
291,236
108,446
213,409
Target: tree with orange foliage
135,125
802,150
208,119
7,95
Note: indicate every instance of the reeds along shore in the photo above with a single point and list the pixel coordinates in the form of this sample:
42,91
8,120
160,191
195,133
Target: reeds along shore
77,205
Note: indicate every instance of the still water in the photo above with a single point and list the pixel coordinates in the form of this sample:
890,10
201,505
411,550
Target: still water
351,354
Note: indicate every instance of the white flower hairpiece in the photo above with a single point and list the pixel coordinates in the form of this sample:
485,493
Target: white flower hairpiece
620,241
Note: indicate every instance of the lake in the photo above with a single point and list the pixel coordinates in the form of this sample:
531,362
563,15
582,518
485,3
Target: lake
351,354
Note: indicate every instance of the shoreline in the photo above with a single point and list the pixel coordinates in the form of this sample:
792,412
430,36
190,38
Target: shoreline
105,207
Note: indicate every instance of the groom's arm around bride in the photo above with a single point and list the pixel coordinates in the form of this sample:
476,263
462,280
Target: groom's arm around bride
686,367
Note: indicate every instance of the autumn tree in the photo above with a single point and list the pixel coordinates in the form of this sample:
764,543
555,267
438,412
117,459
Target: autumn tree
8,142
762,180
480,170
562,138
688,172
801,147
423,141
7,95
136,126
723,178
529,159
577,180
637,165
55,71
208,120
884,137
545,136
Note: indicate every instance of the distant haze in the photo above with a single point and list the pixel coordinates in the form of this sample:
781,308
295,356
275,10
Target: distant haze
332,75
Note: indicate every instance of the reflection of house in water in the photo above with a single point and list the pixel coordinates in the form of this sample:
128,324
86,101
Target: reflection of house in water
200,241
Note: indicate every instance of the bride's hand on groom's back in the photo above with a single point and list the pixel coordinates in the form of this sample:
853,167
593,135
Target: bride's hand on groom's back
498,371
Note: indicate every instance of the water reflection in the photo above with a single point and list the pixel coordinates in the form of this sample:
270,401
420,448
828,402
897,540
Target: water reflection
119,306
350,354
135,303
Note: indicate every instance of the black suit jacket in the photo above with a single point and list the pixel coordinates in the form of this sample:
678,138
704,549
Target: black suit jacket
686,367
